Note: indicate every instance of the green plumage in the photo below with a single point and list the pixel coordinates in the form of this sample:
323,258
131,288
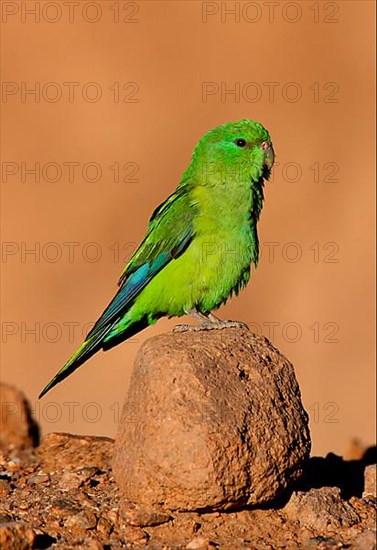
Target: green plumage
200,242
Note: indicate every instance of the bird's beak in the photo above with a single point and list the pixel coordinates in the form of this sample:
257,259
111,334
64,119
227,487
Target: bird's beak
269,155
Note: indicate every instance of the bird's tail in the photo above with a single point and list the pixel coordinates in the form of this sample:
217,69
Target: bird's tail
104,338
118,322
86,350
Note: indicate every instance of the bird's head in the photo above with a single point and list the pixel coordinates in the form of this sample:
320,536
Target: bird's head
241,150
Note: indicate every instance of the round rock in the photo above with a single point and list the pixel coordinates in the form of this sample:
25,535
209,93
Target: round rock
212,421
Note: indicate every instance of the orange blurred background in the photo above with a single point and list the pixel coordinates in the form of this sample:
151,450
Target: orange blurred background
122,92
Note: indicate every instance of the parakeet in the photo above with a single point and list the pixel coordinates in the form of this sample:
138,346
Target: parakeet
199,245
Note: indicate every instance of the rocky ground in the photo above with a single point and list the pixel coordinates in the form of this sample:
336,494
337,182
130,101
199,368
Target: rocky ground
62,494
222,433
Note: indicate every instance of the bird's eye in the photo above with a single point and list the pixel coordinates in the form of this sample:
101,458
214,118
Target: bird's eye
240,142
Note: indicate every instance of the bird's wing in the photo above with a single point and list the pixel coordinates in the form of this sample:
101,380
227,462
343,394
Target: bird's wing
170,231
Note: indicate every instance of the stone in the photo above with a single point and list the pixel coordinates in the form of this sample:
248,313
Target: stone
370,481
83,520
37,479
74,480
16,536
198,543
104,527
17,427
137,517
321,509
366,540
61,451
92,544
4,487
213,420
134,534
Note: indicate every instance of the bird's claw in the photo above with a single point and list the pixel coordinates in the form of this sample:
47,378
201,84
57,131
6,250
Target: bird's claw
210,325
231,324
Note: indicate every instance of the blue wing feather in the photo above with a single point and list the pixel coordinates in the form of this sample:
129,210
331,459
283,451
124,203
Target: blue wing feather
170,232
131,288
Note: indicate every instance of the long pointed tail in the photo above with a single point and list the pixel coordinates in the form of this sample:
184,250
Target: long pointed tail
105,338
88,348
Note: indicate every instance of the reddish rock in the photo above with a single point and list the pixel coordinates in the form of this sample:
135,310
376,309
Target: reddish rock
17,427
366,540
212,420
60,451
198,543
83,520
74,480
137,517
370,483
135,534
321,509
16,536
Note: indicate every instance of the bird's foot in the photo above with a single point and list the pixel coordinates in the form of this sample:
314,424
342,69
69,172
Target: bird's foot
210,325
208,321
230,324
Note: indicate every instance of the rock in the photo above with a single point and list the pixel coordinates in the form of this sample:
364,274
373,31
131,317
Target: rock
14,464
60,451
16,536
142,517
74,480
39,478
213,420
17,427
104,527
83,520
92,544
64,507
135,534
366,540
198,543
321,509
4,487
370,481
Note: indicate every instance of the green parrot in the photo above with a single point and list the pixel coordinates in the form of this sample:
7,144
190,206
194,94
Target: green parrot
199,244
